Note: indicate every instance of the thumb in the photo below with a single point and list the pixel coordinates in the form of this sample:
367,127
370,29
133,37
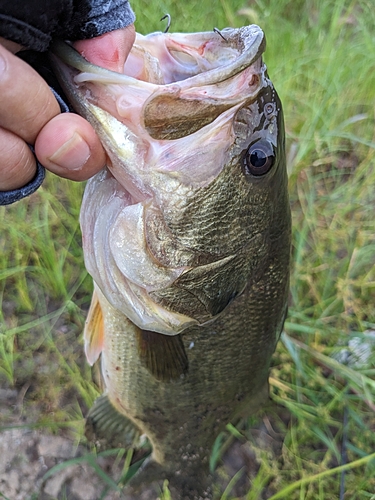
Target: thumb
109,50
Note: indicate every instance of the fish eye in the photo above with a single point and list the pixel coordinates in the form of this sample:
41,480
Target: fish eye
259,158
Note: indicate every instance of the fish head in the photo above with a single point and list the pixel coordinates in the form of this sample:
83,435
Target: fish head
194,192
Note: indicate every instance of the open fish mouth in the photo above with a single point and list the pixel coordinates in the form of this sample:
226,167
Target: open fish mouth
167,126
174,78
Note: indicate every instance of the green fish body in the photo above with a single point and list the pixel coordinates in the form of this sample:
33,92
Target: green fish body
186,233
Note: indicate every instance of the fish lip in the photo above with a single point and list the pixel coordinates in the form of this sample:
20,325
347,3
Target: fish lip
254,40
251,38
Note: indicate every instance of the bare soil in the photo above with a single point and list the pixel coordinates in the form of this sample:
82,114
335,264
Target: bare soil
26,455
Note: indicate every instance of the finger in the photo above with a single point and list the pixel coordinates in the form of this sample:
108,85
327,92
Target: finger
17,166
109,50
27,103
69,147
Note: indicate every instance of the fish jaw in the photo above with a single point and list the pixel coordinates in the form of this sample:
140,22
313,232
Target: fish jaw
207,57
132,117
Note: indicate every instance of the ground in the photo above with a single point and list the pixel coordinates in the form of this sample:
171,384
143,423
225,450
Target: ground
27,455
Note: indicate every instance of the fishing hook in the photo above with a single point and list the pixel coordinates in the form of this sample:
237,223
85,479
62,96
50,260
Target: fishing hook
169,22
216,30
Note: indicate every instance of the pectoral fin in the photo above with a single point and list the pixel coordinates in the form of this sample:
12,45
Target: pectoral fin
93,333
163,355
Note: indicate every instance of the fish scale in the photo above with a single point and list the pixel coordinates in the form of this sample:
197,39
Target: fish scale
187,237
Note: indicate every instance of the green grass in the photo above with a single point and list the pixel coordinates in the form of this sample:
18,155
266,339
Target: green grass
321,57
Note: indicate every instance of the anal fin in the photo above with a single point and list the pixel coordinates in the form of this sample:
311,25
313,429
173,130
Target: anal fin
163,355
108,427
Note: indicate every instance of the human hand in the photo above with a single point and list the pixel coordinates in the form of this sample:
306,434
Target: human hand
65,144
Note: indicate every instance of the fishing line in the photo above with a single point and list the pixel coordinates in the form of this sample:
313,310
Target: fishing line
216,30
167,16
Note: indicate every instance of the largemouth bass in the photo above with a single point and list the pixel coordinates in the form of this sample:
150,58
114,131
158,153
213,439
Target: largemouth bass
186,233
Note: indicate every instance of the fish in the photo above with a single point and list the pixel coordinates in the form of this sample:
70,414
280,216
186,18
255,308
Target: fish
187,236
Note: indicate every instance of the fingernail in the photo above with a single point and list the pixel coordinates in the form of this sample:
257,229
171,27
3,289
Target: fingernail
72,155
3,64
